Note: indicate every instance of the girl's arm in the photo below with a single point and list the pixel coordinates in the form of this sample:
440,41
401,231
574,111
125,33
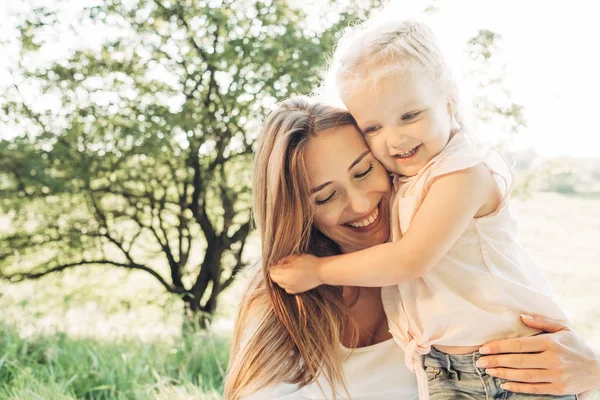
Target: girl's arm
450,205
557,363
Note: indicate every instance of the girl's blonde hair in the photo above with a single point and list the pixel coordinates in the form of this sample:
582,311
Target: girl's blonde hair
280,337
379,49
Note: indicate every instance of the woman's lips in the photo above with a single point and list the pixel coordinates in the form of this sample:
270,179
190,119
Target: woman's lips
374,225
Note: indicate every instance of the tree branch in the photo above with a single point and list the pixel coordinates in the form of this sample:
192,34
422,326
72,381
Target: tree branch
19,277
197,206
187,27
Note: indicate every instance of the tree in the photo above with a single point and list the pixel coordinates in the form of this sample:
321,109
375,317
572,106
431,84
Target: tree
492,100
144,154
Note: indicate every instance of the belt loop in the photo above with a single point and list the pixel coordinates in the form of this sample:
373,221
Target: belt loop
480,371
448,363
451,370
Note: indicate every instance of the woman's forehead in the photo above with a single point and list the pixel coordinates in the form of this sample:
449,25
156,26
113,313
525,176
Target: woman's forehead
330,153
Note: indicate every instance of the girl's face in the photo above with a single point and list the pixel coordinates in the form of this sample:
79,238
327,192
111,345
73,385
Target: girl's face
350,189
406,121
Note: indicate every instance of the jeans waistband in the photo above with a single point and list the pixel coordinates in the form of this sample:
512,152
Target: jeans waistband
457,362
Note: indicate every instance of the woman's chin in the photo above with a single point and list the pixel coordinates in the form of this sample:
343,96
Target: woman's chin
360,243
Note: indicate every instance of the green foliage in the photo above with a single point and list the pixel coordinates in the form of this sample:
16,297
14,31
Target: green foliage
137,154
570,176
144,159
59,367
492,100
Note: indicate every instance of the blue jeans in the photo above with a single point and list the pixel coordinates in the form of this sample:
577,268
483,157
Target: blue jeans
456,377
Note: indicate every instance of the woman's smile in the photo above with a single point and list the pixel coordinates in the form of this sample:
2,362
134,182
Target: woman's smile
367,223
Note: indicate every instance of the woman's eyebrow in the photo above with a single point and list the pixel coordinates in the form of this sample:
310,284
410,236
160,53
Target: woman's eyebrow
358,159
321,186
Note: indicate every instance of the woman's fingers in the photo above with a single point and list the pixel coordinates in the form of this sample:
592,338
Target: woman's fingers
513,361
523,375
529,344
544,323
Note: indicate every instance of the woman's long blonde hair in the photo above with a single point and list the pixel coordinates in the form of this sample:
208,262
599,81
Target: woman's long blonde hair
279,337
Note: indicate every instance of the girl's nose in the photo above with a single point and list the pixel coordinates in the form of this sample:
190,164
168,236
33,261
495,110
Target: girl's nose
394,140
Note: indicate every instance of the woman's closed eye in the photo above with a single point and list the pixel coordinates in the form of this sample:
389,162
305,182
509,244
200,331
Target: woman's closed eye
363,174
357,176
319,202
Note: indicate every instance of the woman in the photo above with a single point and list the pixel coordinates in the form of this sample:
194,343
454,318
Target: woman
314,177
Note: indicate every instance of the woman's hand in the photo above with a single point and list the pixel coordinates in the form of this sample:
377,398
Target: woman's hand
556,363
296,274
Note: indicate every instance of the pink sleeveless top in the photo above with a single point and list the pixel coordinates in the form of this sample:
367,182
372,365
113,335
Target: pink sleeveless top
478,289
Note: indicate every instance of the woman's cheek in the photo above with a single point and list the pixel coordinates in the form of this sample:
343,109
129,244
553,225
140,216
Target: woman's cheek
381,179
326,218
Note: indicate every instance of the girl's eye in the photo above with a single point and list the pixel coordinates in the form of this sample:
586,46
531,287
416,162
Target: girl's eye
319,202
409,116
372,129
363,174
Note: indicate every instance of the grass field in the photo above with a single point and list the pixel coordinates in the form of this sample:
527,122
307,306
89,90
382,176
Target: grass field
55,366
103,334
563,234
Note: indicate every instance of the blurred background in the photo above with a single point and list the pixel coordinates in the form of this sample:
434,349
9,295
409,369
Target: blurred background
126,137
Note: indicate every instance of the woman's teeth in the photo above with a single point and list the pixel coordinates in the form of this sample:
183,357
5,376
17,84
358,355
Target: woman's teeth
407,153
367,221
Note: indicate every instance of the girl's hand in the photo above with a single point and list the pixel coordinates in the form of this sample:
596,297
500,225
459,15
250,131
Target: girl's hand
296,274
557,363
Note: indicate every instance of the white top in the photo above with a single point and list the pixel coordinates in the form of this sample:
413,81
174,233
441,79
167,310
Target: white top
374,372
478,289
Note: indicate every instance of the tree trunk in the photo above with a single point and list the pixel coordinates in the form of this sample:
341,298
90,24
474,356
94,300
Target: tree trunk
197,315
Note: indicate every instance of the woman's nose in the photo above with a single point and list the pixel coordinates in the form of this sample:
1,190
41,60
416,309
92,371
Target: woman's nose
359,202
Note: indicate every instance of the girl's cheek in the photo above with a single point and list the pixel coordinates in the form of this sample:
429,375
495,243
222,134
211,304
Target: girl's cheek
381,151
372,143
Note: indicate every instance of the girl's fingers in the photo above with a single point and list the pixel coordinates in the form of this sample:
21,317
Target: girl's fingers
286,259
513,361
276,276
522,375
534,388
530,344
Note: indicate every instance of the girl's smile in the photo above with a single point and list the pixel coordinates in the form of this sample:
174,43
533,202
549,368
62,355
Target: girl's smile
405,121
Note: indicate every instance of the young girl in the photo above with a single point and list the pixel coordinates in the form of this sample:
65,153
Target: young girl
458,276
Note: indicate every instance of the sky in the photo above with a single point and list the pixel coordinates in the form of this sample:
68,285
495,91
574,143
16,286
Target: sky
553,66
550,49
